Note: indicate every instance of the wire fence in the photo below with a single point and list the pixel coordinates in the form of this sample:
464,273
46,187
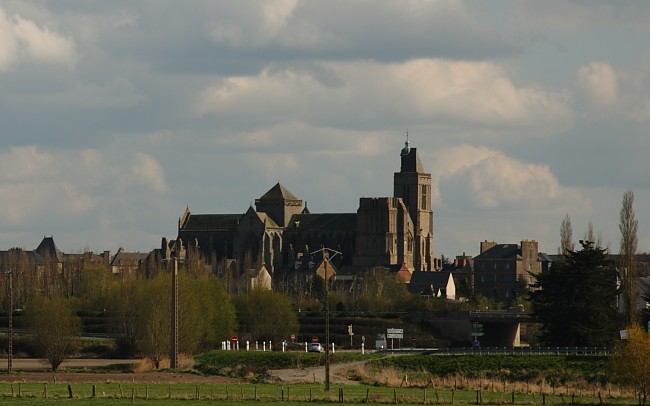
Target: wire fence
266,393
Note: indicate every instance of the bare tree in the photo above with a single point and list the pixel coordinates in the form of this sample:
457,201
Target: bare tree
566,235
628,226
591,236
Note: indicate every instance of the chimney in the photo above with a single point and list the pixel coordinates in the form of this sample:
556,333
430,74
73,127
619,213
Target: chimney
486,245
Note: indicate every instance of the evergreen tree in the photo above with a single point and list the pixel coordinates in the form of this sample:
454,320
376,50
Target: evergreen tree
575,299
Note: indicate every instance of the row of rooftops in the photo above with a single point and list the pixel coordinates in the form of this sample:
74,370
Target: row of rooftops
341,221
47,251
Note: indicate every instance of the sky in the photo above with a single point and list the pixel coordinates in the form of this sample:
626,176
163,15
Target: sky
116,116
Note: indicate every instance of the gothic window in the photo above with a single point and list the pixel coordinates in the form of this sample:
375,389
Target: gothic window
425,198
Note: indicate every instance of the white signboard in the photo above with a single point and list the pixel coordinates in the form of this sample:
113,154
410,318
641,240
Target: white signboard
395,333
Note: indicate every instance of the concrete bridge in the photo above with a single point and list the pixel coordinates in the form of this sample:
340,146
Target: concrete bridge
498,328
495,328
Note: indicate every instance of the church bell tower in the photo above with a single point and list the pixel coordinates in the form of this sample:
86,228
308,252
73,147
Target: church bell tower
413,185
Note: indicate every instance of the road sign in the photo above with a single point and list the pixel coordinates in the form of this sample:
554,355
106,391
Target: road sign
395,333
293,337
477,330
234,339
314,339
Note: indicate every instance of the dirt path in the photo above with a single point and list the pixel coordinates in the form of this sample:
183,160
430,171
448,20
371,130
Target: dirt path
339,374
34,370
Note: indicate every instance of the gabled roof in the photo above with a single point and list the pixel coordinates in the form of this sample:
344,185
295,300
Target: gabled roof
199,222
47,249
129,257
267,220
500,251
422,281
544,257
403,275
278,192
332,221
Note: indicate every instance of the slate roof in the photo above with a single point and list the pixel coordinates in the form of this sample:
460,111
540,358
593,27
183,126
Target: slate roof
11,257
128,258
500,251
421,281
544,257
266,219
47,248
278,192
330,221
198,222
411,161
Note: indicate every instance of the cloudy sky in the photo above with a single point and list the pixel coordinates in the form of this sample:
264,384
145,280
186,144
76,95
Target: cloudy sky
117,115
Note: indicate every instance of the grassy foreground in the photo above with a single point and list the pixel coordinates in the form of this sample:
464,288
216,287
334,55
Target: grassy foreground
248,394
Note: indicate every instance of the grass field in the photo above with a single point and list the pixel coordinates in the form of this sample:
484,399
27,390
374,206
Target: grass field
242,394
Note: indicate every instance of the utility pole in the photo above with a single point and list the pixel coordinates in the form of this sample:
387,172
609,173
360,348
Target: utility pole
327,323
326,261
173,347
10,327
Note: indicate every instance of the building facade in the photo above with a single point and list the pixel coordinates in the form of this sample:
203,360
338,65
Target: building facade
280,229
502,271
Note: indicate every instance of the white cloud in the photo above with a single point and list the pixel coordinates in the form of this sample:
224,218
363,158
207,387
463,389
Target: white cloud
22,38
7,42
42,187
600,83
148,172
415,91
486,179
276,13
42,45
25,163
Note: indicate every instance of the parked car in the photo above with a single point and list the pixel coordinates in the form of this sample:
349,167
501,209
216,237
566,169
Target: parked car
315,347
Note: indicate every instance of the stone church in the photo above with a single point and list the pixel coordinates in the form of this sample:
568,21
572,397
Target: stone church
280,230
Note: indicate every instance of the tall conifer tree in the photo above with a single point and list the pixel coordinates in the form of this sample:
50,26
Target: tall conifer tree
575,299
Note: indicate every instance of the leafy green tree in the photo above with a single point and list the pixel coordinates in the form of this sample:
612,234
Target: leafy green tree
153,319
266,315
380,291
55,328
207,316
125,308
575,299
631,361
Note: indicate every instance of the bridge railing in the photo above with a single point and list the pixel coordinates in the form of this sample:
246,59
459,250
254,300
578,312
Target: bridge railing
525,350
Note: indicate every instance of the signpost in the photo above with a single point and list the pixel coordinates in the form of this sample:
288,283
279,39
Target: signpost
477,331
393,333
